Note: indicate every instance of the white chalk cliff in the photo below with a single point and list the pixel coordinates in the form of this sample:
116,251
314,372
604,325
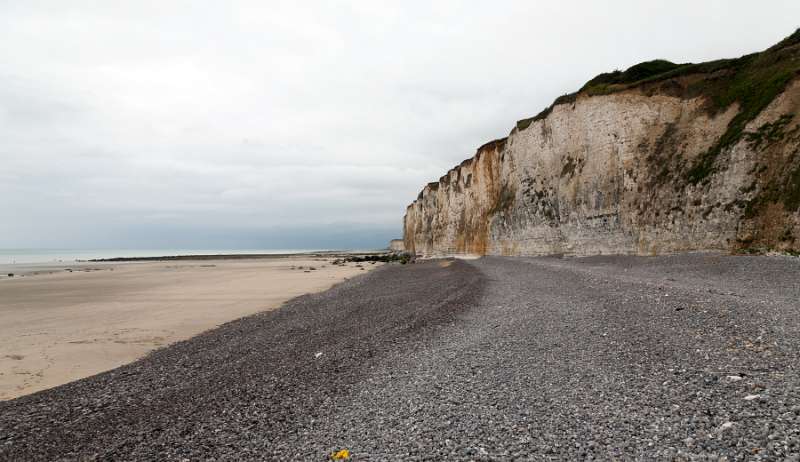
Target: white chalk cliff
656,159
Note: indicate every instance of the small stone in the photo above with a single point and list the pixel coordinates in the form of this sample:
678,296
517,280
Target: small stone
726,426
318,354
751,397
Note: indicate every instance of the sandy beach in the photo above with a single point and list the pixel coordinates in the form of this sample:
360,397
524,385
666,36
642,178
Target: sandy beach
685,357
64,322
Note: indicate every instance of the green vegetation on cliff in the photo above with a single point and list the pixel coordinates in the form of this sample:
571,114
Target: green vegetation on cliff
611,82
752,82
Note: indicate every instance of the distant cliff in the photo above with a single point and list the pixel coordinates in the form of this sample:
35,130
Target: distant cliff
659,158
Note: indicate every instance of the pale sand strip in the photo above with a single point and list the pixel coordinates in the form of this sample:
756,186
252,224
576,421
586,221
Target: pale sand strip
56,328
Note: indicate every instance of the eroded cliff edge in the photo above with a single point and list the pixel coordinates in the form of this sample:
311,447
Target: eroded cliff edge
659,158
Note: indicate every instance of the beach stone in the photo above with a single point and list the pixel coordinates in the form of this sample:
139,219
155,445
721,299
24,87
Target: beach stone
489,359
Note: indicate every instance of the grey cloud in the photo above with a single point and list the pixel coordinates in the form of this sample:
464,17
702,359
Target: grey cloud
234,124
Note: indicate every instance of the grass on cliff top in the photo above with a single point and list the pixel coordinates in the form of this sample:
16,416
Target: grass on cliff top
753,81
563,99
618,80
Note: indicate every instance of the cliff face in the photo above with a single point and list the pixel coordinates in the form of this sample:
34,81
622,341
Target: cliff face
660,158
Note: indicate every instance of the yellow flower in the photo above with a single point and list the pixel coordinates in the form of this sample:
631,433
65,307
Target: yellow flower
341,454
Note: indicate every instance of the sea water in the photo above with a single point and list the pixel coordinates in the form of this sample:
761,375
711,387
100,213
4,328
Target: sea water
27,256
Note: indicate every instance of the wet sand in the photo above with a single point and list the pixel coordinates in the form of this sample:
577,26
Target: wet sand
64,322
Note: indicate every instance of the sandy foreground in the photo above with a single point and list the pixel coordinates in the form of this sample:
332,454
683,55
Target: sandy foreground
74,321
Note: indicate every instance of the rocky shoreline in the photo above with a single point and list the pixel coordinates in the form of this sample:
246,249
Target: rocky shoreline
687,356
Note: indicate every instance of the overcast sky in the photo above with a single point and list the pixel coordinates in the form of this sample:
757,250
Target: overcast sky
295,124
